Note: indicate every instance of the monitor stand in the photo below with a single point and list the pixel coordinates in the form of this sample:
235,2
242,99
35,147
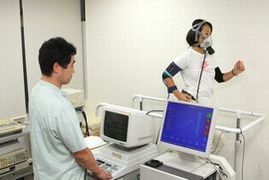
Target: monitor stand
183,161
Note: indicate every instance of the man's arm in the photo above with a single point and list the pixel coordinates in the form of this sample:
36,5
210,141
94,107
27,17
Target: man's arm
85,158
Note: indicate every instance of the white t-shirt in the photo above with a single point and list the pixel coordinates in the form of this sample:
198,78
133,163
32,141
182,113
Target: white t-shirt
55,134
190,64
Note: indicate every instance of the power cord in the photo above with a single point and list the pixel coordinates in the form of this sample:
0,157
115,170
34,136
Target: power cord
216,147
219,171
158,133
168,95
202,164
86,123
243,155
87,134
85,174
154,110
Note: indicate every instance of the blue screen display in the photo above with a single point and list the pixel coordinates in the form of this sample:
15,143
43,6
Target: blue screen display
187,125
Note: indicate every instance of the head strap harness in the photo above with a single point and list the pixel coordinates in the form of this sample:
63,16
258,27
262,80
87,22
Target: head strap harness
196,28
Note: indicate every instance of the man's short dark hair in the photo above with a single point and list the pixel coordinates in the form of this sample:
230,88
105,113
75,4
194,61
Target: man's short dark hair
190,38
55,50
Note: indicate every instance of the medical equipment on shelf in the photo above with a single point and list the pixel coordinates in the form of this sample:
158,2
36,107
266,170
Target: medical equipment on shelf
17,170
8,126
126,127
130,133
75,96
14,159
168,166
120,162
12,153
238,130
224,165
187,129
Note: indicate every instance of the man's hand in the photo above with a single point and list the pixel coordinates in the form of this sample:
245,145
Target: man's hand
86,159
102,175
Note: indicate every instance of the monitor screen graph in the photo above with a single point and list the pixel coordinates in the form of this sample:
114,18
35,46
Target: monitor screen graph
188,127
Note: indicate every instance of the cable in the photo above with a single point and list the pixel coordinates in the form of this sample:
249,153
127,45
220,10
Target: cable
85,174
158,133
202,164
200,77
157,138
217,142
87,134
214,166
244,147
154,110
86,123
220,173
243,155
168,95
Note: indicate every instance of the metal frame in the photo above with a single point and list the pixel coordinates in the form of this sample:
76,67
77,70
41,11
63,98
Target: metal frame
238,113
237,130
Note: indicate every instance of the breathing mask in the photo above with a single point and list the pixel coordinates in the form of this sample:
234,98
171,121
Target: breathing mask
207,45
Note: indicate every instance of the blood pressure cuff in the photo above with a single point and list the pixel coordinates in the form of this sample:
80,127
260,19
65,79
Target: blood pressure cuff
171,70
218,75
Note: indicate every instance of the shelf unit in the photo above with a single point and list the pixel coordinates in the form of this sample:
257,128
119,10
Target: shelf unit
17,171
25,131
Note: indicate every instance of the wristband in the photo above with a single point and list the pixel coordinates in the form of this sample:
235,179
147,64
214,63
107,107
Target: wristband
172,89
233,73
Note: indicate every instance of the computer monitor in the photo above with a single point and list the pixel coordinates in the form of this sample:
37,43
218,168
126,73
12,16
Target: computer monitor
126,127
188,128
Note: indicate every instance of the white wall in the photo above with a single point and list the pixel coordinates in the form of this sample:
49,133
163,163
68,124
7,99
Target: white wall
130,43
42,21
11,73
47,19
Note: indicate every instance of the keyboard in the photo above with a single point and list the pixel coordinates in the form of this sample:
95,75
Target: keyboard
108,167
114,169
